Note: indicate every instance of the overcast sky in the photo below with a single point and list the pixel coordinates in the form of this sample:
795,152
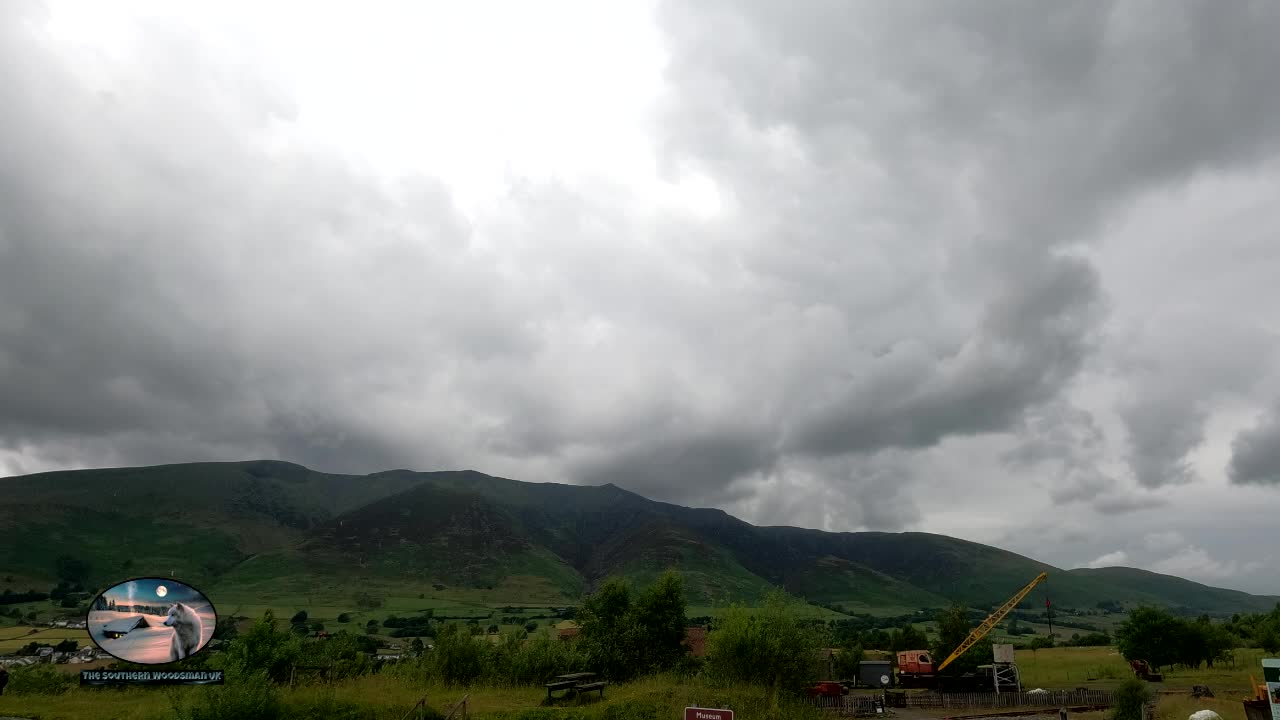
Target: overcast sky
1007,271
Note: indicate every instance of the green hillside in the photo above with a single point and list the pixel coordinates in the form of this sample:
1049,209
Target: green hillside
271,529
1150,587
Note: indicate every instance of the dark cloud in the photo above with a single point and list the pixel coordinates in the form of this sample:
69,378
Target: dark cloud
1178,371
1255,453
683,463
919,252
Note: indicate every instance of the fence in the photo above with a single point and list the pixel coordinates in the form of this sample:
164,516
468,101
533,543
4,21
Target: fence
1051,698
867,704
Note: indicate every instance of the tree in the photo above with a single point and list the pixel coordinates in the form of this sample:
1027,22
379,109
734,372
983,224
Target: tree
608,634
1150,634
1040,642
845,664
1268,637
416,647
344,617
953,629
531,626
265,649
767,647
624,634
317,627
907,638
299,617
660,616
71,569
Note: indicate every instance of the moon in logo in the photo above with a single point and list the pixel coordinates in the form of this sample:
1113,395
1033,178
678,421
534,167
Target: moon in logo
162,591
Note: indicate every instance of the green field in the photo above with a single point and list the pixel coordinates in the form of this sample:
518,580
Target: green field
1072,667
390,696
12,638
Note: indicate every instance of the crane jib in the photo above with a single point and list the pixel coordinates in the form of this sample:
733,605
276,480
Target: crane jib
995,617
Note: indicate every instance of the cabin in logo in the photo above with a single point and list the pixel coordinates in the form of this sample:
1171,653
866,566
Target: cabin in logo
123,626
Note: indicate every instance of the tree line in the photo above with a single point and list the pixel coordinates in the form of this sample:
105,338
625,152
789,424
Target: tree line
1162,638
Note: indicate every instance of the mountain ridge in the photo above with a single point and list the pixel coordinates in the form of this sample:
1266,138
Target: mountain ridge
271,526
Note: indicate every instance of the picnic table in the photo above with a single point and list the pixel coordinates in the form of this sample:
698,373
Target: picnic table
575,682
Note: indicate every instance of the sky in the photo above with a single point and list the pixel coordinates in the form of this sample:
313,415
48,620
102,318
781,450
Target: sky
997,270
144,591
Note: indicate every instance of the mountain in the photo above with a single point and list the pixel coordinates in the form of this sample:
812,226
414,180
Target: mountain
273,529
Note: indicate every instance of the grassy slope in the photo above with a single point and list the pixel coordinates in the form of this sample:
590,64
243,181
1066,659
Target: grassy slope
1146,586
279,531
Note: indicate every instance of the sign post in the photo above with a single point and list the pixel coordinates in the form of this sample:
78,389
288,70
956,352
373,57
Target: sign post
1271,676
697,713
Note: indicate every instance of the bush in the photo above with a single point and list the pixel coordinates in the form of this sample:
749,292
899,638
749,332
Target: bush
343,654
344,618
1129,698
770,647
458,658
250,697
327,707
39,679
264,649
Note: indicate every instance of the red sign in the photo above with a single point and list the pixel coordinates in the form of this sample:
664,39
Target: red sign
697,713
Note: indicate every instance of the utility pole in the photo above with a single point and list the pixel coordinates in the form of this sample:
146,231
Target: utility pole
1048,608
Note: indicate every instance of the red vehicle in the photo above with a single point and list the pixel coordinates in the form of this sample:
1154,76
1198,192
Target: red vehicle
915,669
828,688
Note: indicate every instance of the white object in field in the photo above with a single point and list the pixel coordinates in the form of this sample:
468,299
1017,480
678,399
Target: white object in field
1037,691
1205,715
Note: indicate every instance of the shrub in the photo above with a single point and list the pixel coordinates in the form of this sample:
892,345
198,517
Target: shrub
327,707
250,697
458,658
264,649
771,647
344,618
39,680
1129,698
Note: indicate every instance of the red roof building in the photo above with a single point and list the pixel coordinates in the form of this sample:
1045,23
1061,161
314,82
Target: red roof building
695,638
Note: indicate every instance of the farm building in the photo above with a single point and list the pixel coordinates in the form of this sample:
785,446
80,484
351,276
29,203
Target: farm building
121,627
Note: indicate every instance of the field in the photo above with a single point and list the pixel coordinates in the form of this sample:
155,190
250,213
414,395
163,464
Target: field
12,638
390,696
1069,667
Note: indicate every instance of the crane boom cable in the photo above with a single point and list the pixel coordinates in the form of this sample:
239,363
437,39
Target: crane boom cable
995,617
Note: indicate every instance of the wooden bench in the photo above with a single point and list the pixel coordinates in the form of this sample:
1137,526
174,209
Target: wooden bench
560,685
589,687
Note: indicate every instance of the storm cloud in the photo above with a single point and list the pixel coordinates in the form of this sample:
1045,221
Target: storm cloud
849,265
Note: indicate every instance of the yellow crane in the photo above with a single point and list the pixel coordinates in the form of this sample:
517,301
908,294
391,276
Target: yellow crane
995,617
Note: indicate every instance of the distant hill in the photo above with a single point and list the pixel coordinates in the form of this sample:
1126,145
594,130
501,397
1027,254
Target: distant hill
270,529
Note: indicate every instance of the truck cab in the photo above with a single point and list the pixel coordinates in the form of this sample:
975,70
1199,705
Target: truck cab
915,662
